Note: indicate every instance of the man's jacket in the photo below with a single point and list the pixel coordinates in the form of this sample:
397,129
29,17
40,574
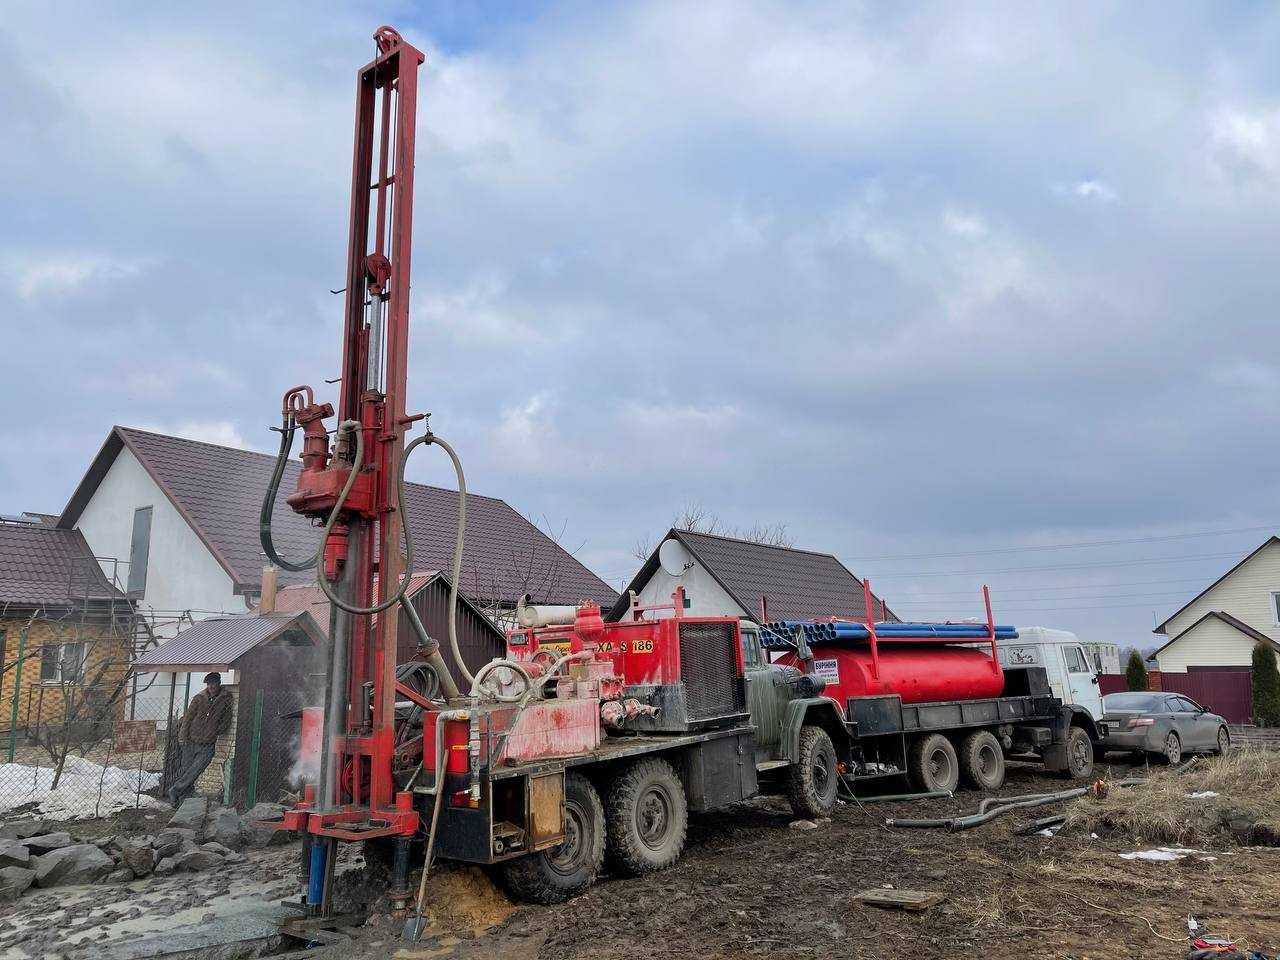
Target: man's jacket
207,718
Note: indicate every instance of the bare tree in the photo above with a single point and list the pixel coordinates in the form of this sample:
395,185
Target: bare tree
696,518
538,570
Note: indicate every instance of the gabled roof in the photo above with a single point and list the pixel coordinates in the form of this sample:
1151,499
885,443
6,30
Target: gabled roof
217,643
41,565
218,491
1266,543
1230,621
799,584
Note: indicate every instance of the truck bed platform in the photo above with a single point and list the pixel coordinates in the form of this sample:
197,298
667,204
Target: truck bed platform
620,747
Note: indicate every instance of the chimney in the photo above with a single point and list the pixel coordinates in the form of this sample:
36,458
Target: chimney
267,602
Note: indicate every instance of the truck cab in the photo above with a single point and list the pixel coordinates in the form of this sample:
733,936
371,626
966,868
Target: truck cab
1066,663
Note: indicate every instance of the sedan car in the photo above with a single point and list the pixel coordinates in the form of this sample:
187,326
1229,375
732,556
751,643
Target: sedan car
1165,724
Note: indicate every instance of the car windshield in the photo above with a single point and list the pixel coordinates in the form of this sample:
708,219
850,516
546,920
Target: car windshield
1131,701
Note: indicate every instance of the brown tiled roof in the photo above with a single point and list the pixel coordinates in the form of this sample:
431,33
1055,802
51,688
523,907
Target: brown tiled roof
217,643
219,492
799,584
41,565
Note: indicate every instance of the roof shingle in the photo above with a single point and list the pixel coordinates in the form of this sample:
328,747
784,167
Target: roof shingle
220,641
41,565
799,584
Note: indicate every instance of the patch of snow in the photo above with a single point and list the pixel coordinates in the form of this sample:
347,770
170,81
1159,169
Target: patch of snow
1164,854
85,790
1202,795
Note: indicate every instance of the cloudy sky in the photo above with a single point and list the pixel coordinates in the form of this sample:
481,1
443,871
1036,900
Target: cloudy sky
940,289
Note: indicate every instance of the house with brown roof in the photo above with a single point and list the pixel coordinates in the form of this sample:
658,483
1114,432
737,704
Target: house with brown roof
724,576
66,631
183,517
1208,654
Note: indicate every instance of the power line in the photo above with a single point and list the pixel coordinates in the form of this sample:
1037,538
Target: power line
1067,546
1114,596
1065,566
1005,591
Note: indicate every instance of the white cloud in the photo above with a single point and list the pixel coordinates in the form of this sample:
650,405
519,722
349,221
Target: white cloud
1094,190
223,433
1087,189
1246,141
64,273
970,226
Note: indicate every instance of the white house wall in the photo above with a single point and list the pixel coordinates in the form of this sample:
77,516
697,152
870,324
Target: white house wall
182,575
1246,595
706,597
1211,644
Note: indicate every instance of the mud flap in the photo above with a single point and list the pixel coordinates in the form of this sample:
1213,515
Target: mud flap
1055,757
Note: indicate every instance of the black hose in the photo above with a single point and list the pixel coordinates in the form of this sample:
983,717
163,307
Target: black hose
287,429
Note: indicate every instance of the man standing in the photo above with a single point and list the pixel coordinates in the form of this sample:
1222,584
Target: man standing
207,718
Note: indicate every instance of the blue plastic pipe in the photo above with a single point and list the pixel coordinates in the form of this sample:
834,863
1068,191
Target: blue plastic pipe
315,880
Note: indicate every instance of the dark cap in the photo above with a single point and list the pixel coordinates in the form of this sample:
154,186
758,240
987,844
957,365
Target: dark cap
213,678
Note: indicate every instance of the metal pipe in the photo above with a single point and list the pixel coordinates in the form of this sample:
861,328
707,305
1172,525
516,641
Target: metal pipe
335,708
985,816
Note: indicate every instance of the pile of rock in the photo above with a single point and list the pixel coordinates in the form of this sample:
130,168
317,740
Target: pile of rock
196,838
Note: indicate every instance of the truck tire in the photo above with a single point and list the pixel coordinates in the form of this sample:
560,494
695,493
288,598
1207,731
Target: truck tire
982,761
814,777
647,818
1079,754
563,872
932,764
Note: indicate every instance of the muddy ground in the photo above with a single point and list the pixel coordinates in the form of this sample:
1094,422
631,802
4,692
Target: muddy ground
750,886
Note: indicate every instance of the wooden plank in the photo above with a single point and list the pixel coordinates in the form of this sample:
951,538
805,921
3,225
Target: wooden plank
916,901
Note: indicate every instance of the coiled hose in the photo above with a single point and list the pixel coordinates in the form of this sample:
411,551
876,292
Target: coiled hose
316,561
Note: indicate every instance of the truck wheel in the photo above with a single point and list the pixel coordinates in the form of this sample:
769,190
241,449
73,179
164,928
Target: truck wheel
1079,754
647,817
932,764
563,872
812,780
982,761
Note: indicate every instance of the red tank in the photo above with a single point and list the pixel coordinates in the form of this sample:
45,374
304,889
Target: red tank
917,672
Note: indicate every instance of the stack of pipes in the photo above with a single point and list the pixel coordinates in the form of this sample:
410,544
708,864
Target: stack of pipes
828,631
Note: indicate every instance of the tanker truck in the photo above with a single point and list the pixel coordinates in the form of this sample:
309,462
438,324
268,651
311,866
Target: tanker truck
939,703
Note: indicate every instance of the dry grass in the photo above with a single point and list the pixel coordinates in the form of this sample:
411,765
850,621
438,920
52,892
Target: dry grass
1246,809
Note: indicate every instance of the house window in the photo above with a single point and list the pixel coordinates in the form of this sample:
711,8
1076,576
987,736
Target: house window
1275,607
62,662
139,550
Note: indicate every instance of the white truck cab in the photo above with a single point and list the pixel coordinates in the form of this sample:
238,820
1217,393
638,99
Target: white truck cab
1065,660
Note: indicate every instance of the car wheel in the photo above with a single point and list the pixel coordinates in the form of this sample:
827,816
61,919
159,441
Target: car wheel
1172,751
1224,740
